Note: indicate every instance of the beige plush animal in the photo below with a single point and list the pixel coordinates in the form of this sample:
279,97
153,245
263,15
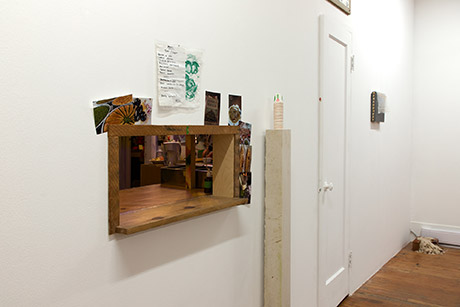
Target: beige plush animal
428,247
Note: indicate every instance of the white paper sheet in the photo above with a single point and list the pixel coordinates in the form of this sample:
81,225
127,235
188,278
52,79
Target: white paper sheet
178,76
171,74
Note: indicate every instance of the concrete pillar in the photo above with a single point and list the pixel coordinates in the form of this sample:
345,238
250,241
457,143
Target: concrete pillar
277,250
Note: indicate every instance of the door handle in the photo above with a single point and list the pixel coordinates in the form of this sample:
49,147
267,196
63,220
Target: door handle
327,186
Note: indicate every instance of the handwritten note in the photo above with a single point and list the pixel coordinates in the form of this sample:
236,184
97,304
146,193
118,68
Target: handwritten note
179,76
171,74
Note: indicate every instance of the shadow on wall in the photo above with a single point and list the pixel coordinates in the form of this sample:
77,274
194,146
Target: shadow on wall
147,250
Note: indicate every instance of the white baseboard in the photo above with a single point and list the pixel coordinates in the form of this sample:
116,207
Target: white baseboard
445,233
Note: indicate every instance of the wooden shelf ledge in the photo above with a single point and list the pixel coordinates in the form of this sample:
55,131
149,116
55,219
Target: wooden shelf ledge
154,195
143,130
143,219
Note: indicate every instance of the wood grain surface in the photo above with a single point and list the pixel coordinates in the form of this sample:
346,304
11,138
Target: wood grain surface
412,279
190,161
143,130
223,166
113,180
140,220
236,166
153,196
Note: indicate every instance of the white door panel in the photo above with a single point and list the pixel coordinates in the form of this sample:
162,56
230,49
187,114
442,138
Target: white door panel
335,76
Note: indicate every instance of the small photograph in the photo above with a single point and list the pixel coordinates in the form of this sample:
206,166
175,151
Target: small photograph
234,110
242,157
245,158
247,165
123,110
212,109
245,186
245,133
143,113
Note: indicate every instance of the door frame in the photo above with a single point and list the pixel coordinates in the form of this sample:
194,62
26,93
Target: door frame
325,23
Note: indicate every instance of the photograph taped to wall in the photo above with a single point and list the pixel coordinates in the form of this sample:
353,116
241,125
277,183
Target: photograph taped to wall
234,110
245,180
212,109
123,110
245,152
247,165
344,5
245,133
104,112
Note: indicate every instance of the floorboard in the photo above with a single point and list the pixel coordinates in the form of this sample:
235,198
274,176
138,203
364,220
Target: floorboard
412,279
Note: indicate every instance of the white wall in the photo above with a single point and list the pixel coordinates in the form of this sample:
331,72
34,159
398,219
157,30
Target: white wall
436,166
380,155
58,56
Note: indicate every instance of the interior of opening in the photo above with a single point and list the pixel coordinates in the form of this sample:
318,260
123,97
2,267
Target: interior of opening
152,170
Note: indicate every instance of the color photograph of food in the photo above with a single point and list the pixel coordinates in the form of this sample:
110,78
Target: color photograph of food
123,110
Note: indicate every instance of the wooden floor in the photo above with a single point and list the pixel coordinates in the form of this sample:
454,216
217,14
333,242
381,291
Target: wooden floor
412,279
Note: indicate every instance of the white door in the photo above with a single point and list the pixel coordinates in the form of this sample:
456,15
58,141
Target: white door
335,94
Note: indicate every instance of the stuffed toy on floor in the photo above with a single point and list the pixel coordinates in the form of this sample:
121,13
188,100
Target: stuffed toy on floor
428,246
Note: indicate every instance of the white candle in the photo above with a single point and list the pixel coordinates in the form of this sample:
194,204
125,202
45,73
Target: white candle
278,107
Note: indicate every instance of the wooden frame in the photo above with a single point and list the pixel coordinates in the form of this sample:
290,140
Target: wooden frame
225,178
344,5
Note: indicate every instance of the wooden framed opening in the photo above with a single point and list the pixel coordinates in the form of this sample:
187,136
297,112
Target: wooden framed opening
139,209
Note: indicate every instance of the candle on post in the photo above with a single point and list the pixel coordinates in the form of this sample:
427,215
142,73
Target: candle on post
278,111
